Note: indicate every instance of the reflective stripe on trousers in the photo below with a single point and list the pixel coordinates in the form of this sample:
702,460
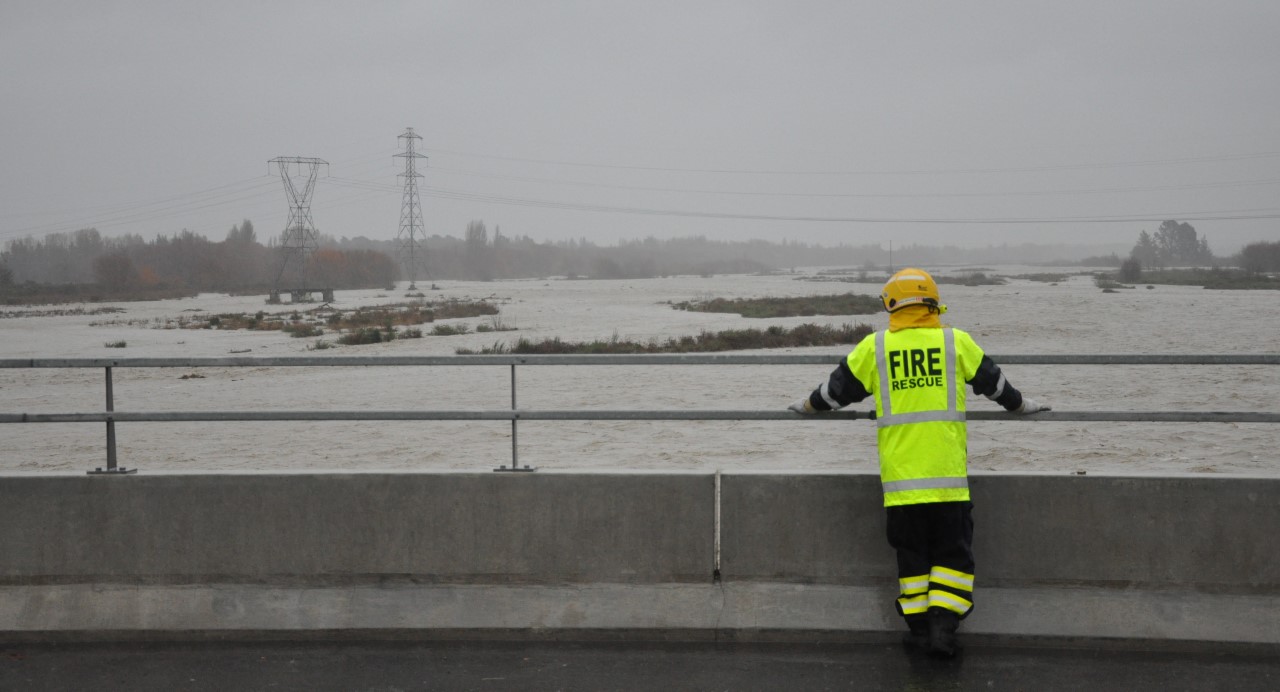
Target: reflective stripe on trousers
915,595
943,587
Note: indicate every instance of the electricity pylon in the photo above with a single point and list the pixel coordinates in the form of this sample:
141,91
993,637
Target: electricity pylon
412,251
300,237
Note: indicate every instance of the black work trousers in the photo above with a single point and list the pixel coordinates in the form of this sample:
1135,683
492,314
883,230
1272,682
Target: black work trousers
934,542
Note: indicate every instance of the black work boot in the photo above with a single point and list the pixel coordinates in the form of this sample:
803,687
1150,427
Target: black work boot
918,637
942,632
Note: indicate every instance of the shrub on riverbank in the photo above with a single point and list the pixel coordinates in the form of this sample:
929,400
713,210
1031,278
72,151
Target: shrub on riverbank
1107,285
414,313
972,279
370,335
450,329
731,340
310,322
804,306
1044,277
301,330
1216,278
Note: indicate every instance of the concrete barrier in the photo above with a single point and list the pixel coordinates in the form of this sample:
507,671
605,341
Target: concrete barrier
322,529
1185,558
1208,533
1181,559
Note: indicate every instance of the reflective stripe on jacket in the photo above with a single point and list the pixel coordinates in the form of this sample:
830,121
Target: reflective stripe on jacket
917,377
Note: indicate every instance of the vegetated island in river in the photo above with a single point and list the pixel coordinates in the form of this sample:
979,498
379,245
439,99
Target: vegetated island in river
730,340
801,306
968,278
366,325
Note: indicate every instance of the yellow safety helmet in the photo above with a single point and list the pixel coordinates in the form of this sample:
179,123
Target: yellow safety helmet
911,287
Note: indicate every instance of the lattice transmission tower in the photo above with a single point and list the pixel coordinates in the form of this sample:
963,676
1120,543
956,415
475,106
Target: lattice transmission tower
412,238
300,238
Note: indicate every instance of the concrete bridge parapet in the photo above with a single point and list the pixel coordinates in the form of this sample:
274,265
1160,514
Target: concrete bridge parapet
1187,559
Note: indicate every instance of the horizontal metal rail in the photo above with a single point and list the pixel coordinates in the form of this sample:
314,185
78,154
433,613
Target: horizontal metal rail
110,416
609,359
630,414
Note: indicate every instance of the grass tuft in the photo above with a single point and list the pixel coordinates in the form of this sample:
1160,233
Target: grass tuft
731,340
450,330
367,335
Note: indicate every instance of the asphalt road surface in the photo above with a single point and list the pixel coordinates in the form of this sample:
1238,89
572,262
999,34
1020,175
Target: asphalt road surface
396,666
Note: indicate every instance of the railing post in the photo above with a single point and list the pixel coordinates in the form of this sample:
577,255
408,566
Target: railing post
515,448
111,436
515,452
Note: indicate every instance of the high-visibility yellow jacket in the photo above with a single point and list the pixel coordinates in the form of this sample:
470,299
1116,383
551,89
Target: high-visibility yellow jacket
917,375
918,379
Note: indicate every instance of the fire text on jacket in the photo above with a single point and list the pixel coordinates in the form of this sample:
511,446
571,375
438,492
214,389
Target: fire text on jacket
915,368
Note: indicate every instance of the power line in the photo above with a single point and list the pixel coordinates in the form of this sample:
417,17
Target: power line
459,195
1270,213
872,195
130,205
258,188
909,171
107,216
159,209
121,211
248,190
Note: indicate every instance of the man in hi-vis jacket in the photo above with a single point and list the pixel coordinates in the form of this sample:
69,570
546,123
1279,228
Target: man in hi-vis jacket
917,370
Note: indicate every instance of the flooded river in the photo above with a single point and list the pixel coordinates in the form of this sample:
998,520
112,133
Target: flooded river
1022,317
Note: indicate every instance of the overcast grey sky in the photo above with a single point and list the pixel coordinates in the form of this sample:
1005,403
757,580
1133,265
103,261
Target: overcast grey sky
967,123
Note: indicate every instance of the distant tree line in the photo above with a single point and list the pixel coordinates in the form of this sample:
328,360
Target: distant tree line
1177,244
242,263
1173,244
184,261
1260,258
483,254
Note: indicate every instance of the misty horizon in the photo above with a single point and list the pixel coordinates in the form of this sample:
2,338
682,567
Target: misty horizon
983,125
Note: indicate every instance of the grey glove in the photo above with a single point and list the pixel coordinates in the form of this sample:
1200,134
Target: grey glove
803,407
1030,406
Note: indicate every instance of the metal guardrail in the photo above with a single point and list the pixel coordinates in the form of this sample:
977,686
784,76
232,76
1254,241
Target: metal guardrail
629,359
110,416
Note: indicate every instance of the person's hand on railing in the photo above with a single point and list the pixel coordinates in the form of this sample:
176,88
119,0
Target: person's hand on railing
803,407
1030,406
